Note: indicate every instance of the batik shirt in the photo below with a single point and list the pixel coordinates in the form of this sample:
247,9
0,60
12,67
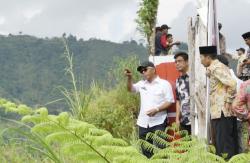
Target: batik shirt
242,104
222,89
246,68
240,61
182,95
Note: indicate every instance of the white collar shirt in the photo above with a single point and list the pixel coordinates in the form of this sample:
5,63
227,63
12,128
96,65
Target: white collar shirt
153,95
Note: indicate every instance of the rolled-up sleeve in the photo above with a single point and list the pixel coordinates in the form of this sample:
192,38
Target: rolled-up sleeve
168,92
136,87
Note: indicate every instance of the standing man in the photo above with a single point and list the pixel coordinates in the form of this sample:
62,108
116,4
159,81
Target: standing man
171,43
224,60
222,41
241,57
241,104
244,70
164,41
156,97
222,91
158,47
182,92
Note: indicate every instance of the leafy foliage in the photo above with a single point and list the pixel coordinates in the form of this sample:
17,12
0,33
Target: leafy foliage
179,147
64,139
147,18
115,109
67,134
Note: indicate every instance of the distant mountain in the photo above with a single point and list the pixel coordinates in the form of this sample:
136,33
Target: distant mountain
32,68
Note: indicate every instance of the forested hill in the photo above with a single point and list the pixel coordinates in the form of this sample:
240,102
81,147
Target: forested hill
32,68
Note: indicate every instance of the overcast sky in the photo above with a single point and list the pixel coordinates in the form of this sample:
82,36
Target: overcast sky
113,19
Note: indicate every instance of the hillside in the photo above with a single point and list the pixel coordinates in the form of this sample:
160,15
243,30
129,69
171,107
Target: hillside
32,68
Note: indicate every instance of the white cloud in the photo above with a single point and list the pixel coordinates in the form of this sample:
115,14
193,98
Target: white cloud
169,10
112,19
2,20
31,13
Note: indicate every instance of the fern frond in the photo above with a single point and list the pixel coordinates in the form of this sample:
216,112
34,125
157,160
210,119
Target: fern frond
183,133
10,106
35,119
240,158
125,159
163,135
3,101
89,157
106,139
128,151
30,118
60,137
168,154
172,128
157,140
97,132
79,127
185,144
63,119
24,110
204,157
73,148
42,111
147,146
46,128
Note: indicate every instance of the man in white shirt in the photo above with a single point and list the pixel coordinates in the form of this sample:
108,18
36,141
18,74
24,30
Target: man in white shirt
156,97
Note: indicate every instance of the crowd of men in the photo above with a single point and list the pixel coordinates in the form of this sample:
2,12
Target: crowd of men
229,94
164,41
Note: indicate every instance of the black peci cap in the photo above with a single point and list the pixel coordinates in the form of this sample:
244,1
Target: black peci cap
208,49
145,65
246,35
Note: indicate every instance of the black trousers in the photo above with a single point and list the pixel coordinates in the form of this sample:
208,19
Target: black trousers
240,136
144,131
225,135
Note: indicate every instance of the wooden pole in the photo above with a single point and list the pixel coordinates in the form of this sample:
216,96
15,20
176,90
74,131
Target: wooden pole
196,34
191,52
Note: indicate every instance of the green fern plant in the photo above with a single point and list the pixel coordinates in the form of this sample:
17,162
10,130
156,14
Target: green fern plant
62,131
54,136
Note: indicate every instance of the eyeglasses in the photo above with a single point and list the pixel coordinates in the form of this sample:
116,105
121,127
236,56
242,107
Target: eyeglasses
144,69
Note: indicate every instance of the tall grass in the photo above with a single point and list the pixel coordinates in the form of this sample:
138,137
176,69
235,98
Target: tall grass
115,109
109,106
75,97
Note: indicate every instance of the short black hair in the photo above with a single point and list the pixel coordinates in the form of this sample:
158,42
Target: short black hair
241,49
165,26
219,26
223,59
169,35
157,29
184,55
